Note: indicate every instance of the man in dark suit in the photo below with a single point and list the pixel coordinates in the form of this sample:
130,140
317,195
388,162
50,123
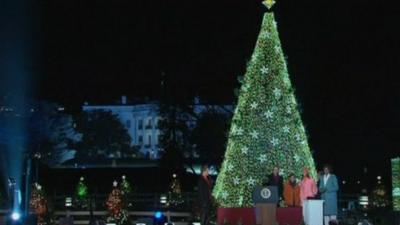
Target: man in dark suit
204,186
275,179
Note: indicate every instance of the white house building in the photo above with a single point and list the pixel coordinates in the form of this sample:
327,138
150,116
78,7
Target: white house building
142,121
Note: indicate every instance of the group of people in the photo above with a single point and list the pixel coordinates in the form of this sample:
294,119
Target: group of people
292,192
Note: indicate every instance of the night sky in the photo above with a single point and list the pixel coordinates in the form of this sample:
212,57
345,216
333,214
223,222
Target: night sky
342,56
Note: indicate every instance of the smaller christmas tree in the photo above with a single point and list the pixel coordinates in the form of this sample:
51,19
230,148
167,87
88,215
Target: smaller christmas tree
115,206
396,183
126,189
175,192
82,194
38,203
379,197
126,186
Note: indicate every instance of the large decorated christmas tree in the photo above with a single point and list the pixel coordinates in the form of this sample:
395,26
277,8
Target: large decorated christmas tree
266,129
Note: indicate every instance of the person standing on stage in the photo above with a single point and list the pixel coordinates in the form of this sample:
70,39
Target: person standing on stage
205,187
320,175
291,192
329,188
308,188
275,179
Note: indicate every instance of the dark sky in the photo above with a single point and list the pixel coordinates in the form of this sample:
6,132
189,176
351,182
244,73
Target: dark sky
343,59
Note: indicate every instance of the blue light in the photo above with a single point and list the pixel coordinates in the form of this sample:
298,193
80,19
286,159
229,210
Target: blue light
15,216
158,215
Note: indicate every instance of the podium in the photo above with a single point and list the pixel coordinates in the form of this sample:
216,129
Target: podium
265,199
313,212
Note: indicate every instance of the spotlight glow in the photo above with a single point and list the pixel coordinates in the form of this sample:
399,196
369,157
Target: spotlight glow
158,215
15,216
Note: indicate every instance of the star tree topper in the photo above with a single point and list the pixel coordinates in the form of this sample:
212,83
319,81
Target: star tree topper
269,3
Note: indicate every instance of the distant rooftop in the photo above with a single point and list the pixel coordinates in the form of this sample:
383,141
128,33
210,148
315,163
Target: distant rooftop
91,163
124,102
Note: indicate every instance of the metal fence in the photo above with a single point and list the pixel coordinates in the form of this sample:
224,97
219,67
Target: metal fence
138,201
154,201
144,205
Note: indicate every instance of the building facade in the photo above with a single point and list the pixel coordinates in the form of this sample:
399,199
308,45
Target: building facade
142,122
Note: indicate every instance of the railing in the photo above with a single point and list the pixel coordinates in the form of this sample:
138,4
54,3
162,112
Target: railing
152,201
141,205
142,201
144,205
84,217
